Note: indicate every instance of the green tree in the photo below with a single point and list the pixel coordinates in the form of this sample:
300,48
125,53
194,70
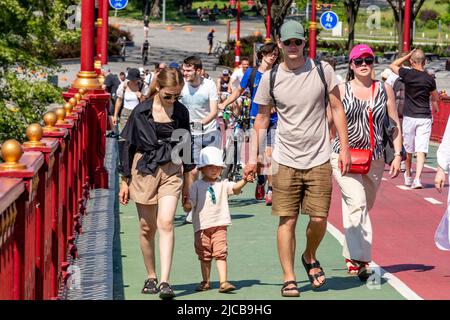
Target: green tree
28,32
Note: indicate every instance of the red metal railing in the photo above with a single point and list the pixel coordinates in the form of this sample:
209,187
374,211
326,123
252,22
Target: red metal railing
41,206
440,119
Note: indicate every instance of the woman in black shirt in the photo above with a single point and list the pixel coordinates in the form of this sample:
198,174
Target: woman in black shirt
151,176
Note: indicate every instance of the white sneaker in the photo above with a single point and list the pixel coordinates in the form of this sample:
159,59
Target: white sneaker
188,218
408,180
416,184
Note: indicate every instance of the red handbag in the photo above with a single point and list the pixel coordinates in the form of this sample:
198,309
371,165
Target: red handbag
362,158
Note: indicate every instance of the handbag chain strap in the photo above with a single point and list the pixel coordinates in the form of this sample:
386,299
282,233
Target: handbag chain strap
372,102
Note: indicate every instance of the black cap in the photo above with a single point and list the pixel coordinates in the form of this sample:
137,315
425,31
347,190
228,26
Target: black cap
134,74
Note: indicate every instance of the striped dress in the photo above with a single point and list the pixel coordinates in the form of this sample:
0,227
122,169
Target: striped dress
357,115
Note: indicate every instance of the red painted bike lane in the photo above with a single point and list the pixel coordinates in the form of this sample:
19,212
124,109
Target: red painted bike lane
404,224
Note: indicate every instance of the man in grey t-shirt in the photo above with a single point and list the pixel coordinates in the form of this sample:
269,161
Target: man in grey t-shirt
301,158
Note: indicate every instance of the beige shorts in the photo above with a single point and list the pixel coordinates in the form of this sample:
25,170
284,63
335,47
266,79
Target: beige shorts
308,191
149,188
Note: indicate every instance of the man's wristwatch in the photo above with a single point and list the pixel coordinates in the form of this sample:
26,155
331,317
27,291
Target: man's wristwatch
397,154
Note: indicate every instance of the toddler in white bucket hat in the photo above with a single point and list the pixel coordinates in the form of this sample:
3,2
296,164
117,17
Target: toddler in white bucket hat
208,201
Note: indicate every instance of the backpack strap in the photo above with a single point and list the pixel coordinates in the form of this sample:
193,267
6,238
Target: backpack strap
251,80
273,75
322,77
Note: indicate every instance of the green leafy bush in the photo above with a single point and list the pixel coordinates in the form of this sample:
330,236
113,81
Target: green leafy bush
23,100
431,25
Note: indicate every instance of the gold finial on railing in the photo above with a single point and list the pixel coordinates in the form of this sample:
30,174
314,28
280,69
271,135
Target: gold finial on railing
34,134
73,102
11,154
60,115
77,96
50,121
68,108
82,91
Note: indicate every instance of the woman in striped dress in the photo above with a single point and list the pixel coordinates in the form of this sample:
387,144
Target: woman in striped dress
359,93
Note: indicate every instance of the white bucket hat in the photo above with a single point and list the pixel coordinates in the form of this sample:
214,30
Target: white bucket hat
211,156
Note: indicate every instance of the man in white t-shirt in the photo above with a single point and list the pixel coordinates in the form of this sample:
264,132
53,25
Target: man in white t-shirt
237,75
199,95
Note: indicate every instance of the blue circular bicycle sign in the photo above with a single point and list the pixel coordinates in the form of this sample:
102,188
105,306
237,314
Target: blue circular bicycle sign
329,20
118,4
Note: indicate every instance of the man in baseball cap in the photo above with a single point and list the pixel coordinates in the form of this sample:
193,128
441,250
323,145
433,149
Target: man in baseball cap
292,30
302,146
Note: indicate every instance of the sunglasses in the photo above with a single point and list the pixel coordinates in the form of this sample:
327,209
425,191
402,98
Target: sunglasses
367,60
168,96
298,42
213,194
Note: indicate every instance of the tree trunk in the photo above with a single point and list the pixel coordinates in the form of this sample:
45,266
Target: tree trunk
156,13
352,8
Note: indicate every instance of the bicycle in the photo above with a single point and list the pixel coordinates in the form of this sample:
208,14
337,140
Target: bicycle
240,125
221,48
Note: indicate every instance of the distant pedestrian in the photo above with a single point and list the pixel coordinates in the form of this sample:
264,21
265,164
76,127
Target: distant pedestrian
238,74
149,176
442,236
417,117
111,85
208,200
210,38
122,77
268,55
129,94
146,22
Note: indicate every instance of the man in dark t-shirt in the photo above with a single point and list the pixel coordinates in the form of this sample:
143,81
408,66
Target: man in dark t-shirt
111,84
417,116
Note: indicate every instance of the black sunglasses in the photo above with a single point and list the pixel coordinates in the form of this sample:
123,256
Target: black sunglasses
298,42
169,96
367,60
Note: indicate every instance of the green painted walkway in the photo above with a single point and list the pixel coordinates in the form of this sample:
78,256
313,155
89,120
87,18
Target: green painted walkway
253,260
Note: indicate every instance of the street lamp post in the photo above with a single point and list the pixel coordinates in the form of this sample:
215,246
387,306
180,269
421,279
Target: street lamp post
238,35
87,78
313,31
407,27
269,19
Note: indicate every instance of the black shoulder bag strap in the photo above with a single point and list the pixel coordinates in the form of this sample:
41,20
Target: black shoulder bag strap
322,77
251,80
273,75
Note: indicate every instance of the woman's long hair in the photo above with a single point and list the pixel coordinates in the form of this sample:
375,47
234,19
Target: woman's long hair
168,77
350,74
